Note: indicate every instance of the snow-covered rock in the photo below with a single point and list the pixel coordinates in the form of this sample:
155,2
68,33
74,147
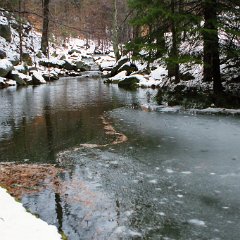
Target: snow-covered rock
20,78
80,65
51,76
5,67
53,62
69,65
105,62
129,67
118,65
17,223
5,30
37,78
21,68
14,59
3,83
119,77
10,82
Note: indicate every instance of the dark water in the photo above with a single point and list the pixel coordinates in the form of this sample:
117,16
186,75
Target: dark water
177,176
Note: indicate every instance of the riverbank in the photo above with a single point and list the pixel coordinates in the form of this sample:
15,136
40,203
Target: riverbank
33,67
19,180
17,223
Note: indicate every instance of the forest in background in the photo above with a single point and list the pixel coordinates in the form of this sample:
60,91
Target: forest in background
177,34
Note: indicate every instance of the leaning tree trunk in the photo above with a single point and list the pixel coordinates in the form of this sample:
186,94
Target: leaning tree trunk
44,43
211,61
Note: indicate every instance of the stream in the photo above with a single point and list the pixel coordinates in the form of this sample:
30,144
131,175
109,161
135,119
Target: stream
175,178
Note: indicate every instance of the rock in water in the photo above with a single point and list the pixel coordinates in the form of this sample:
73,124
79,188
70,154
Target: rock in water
129,82
37,78
20,78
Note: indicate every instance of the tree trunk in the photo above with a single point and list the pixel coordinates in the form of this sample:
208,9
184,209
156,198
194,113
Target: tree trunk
115,32
20,30
211,61
173,66
44,43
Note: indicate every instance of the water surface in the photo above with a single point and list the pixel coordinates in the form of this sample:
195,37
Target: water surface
177,176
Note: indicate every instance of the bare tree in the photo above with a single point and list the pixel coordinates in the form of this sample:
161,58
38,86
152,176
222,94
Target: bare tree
45,32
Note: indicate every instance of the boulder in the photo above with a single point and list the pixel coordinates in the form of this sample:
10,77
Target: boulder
74,51
51,76
129,67
80,65
62,57
20,78
54,62
3,83
5,30
14,59
27,58
118,65
69,65
54,54
5,67
2,54
117,78
39,54
10,82
129,82
22,68
186,76
37,78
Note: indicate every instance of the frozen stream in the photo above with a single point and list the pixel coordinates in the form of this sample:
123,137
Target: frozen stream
177,176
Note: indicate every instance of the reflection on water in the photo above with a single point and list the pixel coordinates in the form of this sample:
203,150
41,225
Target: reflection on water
177,176
36,123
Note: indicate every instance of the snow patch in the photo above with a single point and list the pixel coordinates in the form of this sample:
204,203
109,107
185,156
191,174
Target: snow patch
17,223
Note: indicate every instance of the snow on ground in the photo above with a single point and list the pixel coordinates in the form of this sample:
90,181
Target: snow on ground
17,223
159,73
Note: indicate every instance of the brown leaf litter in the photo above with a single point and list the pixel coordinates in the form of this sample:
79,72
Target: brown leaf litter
21,179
